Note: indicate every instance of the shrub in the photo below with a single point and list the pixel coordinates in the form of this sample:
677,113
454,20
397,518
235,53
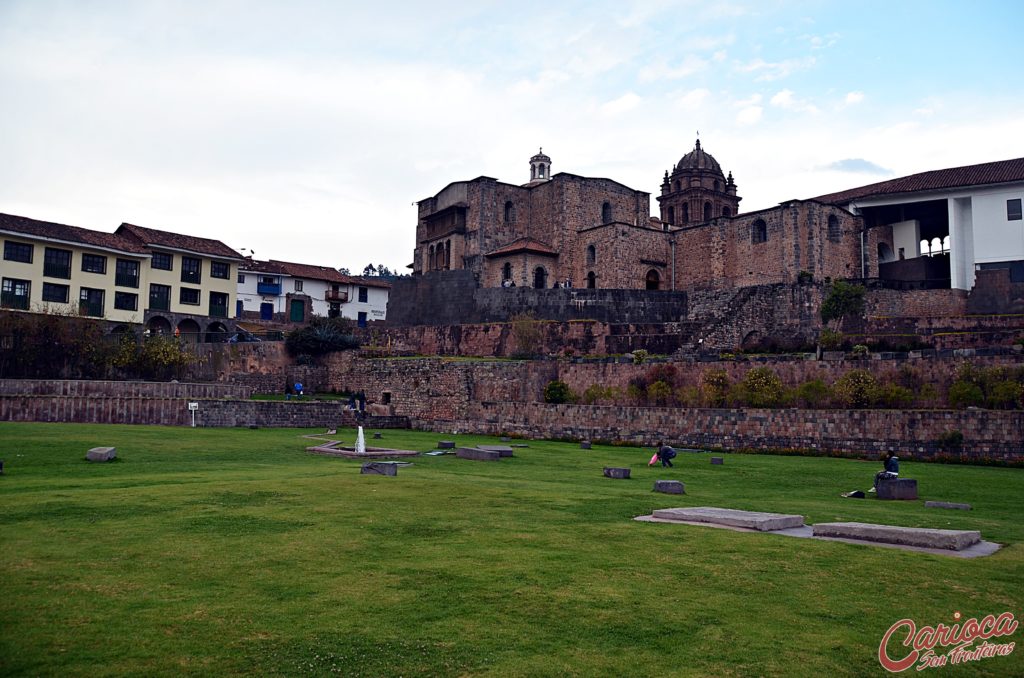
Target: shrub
855,389
321,336
558,392
814,394
529,335
831,340
860,350
639,356
659,393
714,385
762,387
965,394
1004,395
951,441
843,299
688,396
892,396
663,372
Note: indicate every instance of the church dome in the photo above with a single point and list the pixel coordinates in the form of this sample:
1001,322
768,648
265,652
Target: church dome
698,159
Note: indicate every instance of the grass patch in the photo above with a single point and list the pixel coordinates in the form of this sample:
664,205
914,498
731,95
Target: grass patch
234,552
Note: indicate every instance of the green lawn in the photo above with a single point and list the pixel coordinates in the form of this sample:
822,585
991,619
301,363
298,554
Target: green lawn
234,552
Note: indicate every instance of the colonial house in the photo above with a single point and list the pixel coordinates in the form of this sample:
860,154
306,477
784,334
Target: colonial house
166,282
290,292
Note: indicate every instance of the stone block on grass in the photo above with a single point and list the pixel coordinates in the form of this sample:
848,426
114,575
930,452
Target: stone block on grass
502,450
616,472
585,445
947,505
446,445
717,461
669,486
101,454
476,454
897,488
379,468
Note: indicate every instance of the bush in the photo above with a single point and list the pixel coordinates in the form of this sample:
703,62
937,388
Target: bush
831,340
951,441
529,336
855,389
1004,395
965,394
892,396
321,336
558,392
663,372
714,385
814,394
659,393
639,356
762,388
843,299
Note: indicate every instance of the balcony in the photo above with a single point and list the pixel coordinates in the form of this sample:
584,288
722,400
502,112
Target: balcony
270,289
14,300
336,295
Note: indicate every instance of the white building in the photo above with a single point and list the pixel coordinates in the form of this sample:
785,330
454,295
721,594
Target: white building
969,216
290,292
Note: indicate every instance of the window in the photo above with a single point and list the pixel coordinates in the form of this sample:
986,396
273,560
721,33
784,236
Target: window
126,273
540,171
241,278
591,281
163,261
718,186
298,285
57,263
94,263
126,301
686,213
606,213
218,269
506,272
510,213
1013,212
592,254
15,294
707,211
218,304
725,211
90,302
363,292
652,281
160,297
671,215
540,278
759,231
190,268
17,251
189,296
55,293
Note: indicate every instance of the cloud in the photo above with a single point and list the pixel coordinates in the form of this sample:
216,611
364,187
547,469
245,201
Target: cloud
661,70
784,99
767,71
749,115
821,42
626,102
856,166
690,101
853,98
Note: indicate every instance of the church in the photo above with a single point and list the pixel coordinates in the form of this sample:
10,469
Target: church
565,230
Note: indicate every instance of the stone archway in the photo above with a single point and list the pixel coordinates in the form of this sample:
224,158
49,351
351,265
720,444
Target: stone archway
216,332
188,329
653,280
159,325
540,278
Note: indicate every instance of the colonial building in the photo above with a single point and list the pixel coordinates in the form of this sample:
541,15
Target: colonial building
135,276
288,292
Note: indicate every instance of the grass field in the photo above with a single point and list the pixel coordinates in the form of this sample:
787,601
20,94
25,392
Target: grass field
234,552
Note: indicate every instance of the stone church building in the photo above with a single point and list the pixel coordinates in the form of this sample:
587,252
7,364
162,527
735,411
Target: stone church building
566,230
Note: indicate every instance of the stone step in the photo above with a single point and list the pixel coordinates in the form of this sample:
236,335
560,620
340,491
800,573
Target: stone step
753,520
477,454
955,540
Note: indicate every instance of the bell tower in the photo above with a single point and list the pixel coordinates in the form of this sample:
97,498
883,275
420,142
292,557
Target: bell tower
697,191
540,168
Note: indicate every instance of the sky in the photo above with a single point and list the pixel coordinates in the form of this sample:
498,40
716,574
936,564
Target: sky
306,131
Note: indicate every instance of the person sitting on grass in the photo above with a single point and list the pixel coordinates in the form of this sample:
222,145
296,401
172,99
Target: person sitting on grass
892,470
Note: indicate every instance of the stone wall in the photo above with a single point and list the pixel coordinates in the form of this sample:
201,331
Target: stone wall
989,436
120,389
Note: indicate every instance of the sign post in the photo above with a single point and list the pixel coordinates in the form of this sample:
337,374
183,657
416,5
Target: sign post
192,408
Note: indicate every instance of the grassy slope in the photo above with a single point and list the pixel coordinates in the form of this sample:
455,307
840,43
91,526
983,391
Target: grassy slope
213,551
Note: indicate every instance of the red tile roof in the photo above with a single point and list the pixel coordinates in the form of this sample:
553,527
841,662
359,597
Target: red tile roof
524,245
152,237
70,234
1000,172
368,281
310,272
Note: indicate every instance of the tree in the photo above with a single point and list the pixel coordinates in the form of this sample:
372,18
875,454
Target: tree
344,271
843,299
370,270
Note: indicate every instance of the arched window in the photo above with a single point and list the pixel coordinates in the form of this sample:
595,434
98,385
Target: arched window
671,215
835,232
540,278
945,244
686,213
591,281
430,260
540,171
510,212
884,253
925,250
653,280
506,271
759,231
725,211
606,212
591,255
936,246
678,185
718,186
707,211
447,255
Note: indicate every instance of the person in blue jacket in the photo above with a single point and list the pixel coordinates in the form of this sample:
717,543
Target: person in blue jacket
892,469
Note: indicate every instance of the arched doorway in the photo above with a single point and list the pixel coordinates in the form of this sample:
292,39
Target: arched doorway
653,280
540,278
216,332
158,325
591,281
884,253
188,329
